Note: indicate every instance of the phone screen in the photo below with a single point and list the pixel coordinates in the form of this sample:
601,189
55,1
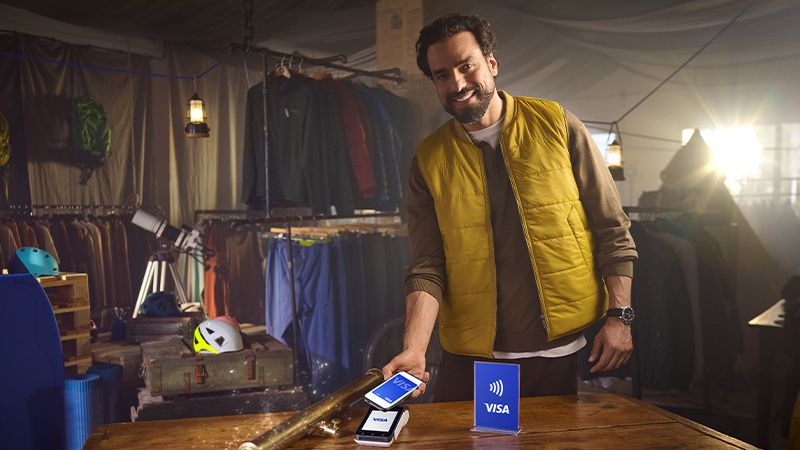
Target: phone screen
394,389
380,421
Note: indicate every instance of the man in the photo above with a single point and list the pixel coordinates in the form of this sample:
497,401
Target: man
518,237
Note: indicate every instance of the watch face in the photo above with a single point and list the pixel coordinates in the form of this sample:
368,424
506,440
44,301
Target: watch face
628,315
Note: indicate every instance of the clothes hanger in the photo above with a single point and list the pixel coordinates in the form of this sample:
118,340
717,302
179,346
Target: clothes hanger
300,70
281,71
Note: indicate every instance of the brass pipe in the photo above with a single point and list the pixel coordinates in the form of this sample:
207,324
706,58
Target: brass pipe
294,429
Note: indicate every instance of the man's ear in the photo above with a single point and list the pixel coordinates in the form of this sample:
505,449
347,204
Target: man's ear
493,64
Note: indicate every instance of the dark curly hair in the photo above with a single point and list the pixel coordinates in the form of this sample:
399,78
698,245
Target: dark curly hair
447,26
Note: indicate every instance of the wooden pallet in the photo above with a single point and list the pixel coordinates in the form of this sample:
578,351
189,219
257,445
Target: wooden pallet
77,365
129,356
69,296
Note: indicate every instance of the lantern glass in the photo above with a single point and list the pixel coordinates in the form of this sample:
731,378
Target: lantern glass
614,155
197,110
196,117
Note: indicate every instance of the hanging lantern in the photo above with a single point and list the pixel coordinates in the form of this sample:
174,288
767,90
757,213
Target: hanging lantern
614,159
196,117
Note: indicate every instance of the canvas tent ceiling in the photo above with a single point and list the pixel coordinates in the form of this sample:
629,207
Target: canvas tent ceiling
325,26
577,51
597,58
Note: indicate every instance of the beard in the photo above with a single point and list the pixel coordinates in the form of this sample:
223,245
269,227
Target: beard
467,114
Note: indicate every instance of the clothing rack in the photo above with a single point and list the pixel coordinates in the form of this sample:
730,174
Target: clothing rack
17,210
258,217
392,74
709,218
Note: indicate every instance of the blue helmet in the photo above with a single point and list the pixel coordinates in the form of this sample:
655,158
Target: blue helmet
33,260
160,304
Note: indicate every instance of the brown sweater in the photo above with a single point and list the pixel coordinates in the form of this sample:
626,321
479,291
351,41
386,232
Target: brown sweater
519,327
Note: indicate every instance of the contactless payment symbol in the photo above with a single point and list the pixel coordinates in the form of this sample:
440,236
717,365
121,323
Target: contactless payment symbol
496,388
496,398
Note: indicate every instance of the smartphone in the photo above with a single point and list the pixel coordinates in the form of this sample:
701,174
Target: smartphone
380,428
392,391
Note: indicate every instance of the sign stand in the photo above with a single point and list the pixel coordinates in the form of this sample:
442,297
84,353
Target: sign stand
496,389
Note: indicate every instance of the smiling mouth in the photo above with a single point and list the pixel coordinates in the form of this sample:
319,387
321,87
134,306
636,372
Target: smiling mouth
463,97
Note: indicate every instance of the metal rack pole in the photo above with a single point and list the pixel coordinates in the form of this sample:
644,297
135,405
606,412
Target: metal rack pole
392,74
293,296
266,134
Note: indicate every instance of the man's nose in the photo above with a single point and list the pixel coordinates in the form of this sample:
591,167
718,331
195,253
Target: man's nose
459,82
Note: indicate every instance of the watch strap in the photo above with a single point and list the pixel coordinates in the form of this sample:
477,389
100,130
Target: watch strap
626,314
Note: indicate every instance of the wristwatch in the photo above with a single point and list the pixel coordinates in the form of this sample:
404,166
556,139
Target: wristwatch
626,314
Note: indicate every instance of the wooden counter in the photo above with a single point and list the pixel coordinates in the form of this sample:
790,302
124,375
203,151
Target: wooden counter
593,421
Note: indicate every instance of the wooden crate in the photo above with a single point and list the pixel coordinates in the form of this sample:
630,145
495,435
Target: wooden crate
69,296
129,356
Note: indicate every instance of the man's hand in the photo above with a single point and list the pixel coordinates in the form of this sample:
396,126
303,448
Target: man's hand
614,339
616,343
421,311
413,363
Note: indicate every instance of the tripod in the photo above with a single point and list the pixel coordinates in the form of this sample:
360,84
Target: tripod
155,277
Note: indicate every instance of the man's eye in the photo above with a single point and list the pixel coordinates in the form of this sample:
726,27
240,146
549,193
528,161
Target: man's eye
466,67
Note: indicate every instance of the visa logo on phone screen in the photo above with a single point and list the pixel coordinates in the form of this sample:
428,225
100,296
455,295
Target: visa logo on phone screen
398,386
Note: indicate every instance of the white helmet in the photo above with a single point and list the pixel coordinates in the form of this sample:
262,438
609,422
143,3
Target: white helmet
217,336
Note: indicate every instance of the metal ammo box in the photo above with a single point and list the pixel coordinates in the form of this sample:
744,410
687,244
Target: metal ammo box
146,329
171,368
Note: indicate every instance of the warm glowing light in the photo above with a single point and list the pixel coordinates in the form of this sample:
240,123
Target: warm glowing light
196,112
687,134
736,152
614,155
609,146
196,117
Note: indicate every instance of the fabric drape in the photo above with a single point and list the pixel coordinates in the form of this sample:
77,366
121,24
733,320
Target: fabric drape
45,91
203,173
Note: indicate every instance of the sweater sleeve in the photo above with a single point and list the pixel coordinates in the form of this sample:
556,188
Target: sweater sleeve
426,272
610,225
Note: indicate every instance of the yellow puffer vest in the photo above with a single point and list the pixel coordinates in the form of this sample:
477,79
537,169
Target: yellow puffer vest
560,243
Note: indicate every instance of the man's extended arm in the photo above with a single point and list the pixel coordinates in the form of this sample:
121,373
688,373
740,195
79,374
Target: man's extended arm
426,271
425,280
421,312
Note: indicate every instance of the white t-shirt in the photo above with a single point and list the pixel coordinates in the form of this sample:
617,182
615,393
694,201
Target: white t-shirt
491,135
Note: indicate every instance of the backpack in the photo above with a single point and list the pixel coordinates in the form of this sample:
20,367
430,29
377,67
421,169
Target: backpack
91,135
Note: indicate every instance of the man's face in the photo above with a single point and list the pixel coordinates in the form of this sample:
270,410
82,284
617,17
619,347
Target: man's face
463,77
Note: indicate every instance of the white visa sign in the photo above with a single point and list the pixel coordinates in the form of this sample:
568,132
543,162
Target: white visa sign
497,408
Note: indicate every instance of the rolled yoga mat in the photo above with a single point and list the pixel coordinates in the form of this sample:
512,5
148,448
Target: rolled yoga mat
111,383
83,402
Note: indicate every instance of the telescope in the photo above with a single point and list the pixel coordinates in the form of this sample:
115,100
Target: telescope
161,265
185,238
